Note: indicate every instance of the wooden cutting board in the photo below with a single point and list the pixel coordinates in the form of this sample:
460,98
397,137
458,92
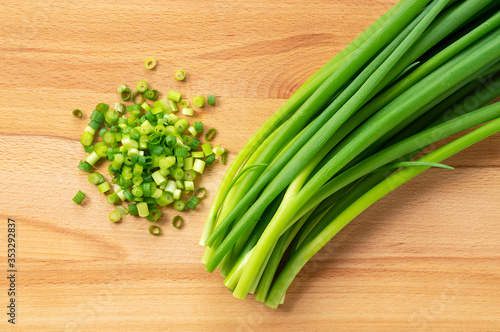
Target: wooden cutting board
426,257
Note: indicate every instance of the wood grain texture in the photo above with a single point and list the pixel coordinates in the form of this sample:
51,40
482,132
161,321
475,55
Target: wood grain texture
426,257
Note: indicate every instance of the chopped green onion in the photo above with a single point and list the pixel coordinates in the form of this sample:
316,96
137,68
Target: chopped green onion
197,154
177,222
179,205
89,148
210,159
92,158
211,99
210,134
115,216
155,230
181,125
142,86
189,175
188,185
207,149
177,194
143,209
198,126
103,187
173,106
134,97
199,166
132,209
201,190
150,63
77,113
187,111
165,199
180,75
192,131
96,178
125,94
192,203
199,101
224,156
181,152
174,96
183,103
113,198
85,166
154,215
79,197
120,108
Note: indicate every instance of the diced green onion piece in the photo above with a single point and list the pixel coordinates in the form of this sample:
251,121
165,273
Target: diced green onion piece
167,162
189,175
211,99
218,151
96,178
155,230
180,75
165,199
102,107
142,86
134,96
122,210
207,149
181,125
171,186
179,184
104,187
92,158
197,154
210,159
188,185
200,193
183,103
85,166
79,197
173,106
158,178
177,194
177,222
179,205
154,215
157,193
115,216
210,134
113,198
150,63
120,108
125,94
192,202
78,113
145,106
198,125
188,163
172,118
122,88
199,101
192,131
224,156
173,95
137,191
199,166
89,148
132,209
178,174
181,152
143,209
187,111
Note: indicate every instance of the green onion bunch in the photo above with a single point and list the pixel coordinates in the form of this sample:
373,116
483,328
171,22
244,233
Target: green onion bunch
426,70
154,155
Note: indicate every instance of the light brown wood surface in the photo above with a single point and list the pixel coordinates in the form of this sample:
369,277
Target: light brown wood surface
426,257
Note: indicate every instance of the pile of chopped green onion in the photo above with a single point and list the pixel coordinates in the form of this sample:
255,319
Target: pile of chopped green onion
155,155
426,70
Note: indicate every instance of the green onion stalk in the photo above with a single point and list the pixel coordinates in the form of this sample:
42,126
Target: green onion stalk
349,136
